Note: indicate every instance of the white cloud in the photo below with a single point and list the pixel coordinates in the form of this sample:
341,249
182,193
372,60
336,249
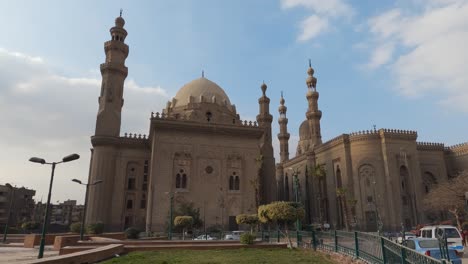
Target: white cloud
330,7
322,12
381,55
426,50
49,115
312,26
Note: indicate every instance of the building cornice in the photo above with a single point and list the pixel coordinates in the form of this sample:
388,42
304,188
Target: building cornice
246,128
127,141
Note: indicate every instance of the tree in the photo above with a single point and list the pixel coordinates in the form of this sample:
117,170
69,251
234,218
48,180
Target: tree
256,183
184,222
341,194
247,219
450,196
188,209
283,213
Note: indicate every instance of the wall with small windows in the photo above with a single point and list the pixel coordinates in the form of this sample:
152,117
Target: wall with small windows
213,171
130,189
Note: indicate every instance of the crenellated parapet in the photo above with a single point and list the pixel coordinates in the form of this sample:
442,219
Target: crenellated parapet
164,116
336,141
364,135
398,134
134,136
431,146
458,149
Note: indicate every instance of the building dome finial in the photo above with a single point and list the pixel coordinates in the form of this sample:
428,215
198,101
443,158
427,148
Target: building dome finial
264,88
119,21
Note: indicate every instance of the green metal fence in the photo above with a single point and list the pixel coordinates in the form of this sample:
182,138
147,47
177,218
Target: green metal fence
365,246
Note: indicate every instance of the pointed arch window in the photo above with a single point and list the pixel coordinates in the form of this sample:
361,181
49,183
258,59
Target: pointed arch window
236,183
184,181
339,183
181,179
231,183
178,181
286,187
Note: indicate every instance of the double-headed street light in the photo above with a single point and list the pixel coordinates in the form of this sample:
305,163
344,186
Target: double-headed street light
46,217
12,198
85,204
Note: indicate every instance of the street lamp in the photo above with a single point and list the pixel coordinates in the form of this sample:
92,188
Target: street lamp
46,217
12,197
295,174
85,203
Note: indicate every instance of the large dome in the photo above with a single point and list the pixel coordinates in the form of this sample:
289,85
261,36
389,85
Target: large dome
202,87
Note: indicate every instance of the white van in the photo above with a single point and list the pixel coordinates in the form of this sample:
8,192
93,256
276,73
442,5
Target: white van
454,238
235,235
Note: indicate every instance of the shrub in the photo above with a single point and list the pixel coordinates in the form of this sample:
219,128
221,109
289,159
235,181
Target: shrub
75,227
30,225
95,228
247,239
132,233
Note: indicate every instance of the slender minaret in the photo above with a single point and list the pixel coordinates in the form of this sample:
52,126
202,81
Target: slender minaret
283,135
264,119
313,114
113,72
101,207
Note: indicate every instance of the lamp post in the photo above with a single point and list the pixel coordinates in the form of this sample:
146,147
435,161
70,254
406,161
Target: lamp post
295,174
12,197
85,204
46,217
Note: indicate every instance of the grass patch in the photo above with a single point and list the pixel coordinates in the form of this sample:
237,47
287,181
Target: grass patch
225,256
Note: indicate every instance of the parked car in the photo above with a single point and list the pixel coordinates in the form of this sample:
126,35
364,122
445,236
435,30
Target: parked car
204,237
430,247
454,238
234,235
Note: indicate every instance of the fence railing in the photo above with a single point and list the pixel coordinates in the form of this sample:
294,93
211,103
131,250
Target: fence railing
368,247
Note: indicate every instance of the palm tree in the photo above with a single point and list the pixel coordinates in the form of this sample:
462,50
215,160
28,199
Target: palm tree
341,195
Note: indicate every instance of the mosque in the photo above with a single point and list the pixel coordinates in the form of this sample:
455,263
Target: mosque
200,151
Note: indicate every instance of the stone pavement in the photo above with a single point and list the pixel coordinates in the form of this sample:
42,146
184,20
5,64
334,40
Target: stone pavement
23,255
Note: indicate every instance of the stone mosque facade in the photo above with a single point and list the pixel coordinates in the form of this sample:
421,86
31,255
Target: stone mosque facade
200,151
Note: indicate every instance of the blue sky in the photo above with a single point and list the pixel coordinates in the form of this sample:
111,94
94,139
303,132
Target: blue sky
395,64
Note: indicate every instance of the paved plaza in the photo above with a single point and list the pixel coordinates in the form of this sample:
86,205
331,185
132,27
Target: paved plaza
23,255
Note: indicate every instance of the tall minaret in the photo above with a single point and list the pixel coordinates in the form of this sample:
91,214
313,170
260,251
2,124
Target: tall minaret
113,72
283,135
105,141
264,119
313,114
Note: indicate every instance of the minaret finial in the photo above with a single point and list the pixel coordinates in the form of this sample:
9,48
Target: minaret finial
203,74
310,63
121,10
281,94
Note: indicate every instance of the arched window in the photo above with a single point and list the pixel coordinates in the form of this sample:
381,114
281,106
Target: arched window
339,184
178,181
231,183
404,177
236,183
184,181
286,188
428,180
